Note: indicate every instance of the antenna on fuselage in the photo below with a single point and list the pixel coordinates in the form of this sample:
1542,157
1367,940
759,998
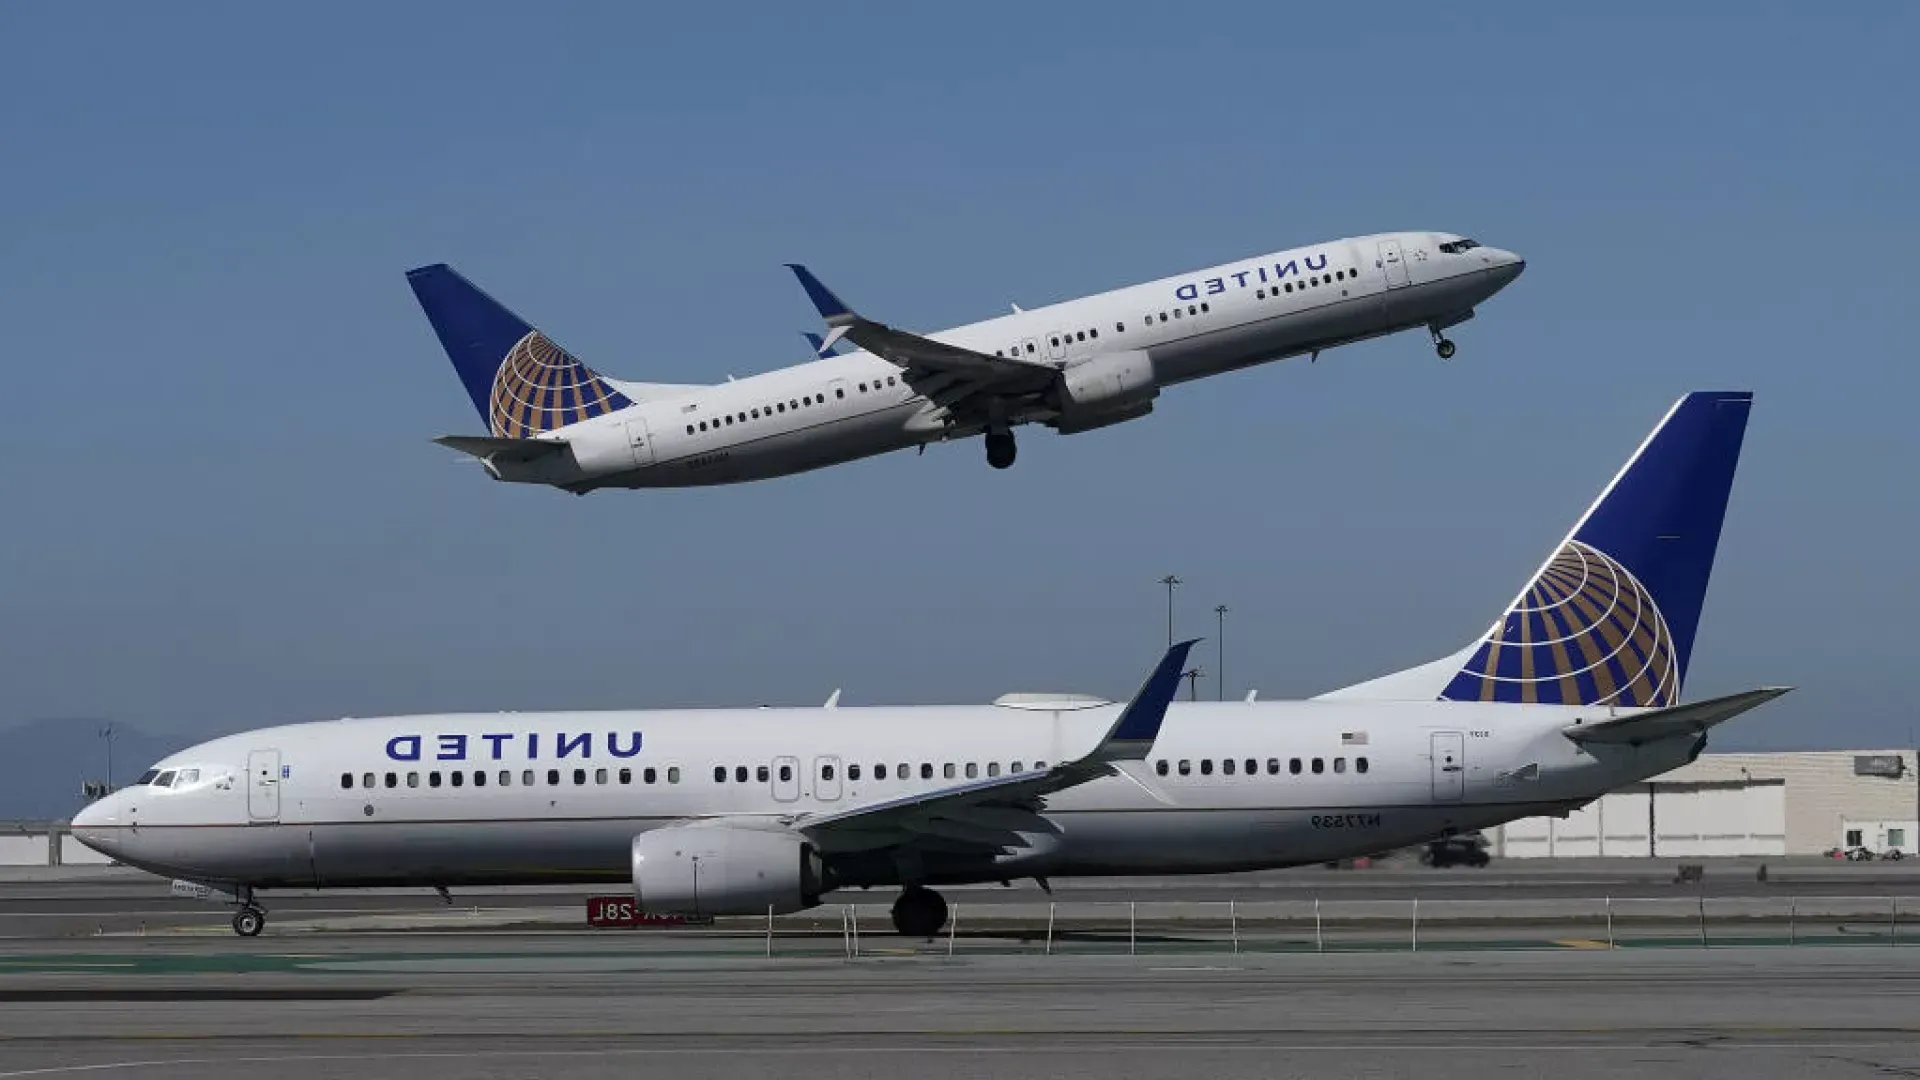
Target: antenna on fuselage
833,699
1251,694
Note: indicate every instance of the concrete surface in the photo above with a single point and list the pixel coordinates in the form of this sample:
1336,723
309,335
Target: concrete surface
476,1009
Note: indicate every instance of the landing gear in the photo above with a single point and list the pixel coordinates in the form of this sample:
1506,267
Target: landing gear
920,912
1441,344
1000,447
249,921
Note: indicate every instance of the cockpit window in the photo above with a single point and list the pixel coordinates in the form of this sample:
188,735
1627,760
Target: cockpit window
147,777
185,777
165,779
1458,246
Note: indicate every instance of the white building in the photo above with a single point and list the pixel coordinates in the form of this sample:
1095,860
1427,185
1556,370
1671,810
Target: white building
1740,804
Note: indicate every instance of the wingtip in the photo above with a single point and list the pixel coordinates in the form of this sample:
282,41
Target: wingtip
829,305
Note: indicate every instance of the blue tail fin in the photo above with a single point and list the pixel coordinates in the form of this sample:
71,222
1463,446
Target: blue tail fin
520,381
1610,619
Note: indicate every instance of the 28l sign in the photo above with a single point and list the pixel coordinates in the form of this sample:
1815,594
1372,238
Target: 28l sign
613,911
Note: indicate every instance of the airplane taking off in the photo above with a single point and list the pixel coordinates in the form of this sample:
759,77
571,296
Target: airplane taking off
1074,366
1573,692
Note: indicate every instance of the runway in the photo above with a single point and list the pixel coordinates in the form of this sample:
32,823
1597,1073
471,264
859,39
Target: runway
479,1009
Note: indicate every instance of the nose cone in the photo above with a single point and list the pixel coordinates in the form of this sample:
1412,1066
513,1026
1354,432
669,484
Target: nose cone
97,825
1506,265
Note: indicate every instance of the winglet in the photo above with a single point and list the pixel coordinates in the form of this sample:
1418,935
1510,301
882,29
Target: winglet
830,306
1139,724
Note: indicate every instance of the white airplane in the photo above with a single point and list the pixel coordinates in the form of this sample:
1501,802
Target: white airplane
1574,692
1074,366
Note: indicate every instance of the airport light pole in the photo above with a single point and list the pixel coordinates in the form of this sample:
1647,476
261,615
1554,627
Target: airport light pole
1192,675
1170,581
106,736
1220,651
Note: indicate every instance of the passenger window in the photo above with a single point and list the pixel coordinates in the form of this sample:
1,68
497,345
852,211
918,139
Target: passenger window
1273,766
648,776
1055,341
673,774
1186,767
1226,767
1015,767
840,391
779,406
1319,765
689,429
346,779
1160,767
1259,294
1094,333
1163,316
366,780
506,777
973,771
457,777
1176,313
946,770
890,380
853,771
786,773
1293,766
1360,764
1339,764
993,768
433,778
1080,336
759,774
1039,765
553,777
926,770
1289,286
740,774
879,772
1191,310
599,776
526,778
1206,766
1252,767
626,776
413,779
392,780
579,777
904,772
1206,307
719,774
1119,328
863,388
479,778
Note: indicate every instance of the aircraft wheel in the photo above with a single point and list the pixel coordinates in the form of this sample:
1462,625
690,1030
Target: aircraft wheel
919,913
248,922
1001,449
1444,347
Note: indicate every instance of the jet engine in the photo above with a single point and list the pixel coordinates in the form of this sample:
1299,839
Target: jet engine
1105,389
724,870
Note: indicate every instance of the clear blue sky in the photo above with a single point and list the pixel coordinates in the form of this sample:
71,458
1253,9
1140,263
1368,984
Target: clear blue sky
222,510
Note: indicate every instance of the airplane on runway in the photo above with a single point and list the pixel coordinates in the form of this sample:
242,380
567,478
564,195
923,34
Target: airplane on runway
1573,692
1074,366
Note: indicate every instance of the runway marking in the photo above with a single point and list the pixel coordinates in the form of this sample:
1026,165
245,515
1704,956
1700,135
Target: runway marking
1582,943
816,1051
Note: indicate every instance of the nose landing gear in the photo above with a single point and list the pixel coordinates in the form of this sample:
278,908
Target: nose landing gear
1441,343
920,912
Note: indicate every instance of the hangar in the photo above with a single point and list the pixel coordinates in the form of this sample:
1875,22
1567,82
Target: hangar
1800,803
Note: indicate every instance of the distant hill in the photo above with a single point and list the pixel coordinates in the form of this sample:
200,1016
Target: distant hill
50,759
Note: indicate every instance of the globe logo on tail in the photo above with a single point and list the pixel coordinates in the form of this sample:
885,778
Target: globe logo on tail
540,387
1585,633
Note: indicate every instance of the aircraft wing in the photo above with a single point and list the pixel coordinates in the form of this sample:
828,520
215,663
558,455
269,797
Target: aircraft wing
487,448
1674,720
946,374
993,813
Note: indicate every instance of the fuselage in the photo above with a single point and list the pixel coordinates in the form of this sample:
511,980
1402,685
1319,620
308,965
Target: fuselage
1209,321
519,798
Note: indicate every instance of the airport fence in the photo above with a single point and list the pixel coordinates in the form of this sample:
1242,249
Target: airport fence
1232,927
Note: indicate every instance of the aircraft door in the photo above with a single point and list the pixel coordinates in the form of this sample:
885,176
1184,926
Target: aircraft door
826,779
786,779
1056,345
263,785
1449,766
639,442
1030,349
1392,265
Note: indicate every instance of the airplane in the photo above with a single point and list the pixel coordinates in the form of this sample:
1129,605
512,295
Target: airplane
1074,366
1575,691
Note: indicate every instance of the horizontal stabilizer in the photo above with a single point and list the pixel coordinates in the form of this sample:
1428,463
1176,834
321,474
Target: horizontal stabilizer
1677,720
503,450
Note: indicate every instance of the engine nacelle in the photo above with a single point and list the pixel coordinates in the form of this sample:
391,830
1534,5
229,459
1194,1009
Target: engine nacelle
1106,389
724,870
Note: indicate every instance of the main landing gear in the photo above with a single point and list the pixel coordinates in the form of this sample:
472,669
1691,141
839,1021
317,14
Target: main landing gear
1000,447
920,912
249,921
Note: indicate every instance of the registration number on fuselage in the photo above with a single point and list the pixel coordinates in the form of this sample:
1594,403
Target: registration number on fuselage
1346,821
